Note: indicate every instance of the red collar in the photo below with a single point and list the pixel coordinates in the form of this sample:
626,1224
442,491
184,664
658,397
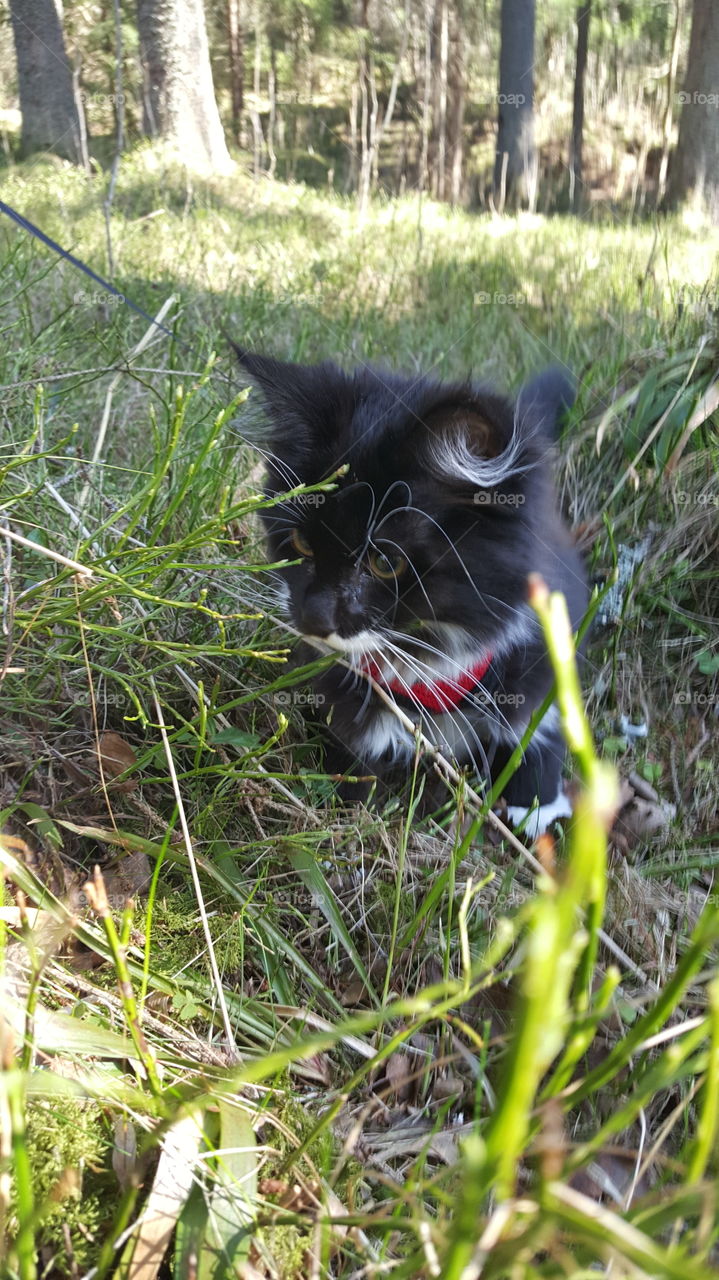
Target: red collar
441,695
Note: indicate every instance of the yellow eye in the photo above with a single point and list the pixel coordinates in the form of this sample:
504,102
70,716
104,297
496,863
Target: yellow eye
300,544
383,566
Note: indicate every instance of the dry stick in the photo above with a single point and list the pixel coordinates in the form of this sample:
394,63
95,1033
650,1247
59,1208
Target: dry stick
82,569
136,351
195,877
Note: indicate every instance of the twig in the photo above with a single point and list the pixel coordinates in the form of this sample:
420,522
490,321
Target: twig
229,1033
45,551
136,351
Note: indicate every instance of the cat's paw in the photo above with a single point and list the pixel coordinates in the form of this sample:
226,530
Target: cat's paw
534,821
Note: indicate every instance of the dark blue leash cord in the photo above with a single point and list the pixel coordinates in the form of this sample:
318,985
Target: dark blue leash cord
27,225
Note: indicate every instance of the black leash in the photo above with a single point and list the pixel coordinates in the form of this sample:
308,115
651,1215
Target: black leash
27,225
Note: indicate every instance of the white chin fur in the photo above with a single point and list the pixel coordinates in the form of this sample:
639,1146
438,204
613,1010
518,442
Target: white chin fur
356,646
540,819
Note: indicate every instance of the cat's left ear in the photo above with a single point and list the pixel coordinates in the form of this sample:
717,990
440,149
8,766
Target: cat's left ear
544,401
471,440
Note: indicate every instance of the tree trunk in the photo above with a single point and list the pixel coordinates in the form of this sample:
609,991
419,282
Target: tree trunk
668,117
515,170
179,96
50,114
236,58
455,107
576,191
695,175
426,119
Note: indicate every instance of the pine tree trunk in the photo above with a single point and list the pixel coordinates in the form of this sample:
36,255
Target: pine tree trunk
515,170
695,171
668,117
455,107
50,114
236,58
584,15
426,119
179,96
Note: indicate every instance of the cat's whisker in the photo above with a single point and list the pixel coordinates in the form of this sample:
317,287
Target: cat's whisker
425,674
397,484
410,565
481,596
486,703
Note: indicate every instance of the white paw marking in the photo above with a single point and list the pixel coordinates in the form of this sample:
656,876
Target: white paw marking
539,819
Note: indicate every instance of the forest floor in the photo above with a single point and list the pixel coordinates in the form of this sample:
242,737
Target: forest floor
149,723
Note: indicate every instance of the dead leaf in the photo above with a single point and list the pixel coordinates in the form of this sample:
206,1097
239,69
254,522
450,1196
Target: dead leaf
641,819
129,877
609,1176
447,1086
398,1072
115,756
172,1185
354,993
124,1151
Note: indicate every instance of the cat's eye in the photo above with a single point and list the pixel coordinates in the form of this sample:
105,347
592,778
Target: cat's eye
301,544
382,566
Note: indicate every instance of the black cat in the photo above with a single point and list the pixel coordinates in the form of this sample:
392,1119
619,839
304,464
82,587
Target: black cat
415,568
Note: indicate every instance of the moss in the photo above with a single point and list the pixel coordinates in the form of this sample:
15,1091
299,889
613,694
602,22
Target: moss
68,1149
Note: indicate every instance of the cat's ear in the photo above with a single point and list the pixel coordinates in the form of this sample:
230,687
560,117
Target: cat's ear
286,388
471,442
544,401
304,402
482,440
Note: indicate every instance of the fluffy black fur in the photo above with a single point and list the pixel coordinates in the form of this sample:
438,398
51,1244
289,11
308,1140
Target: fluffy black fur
453,485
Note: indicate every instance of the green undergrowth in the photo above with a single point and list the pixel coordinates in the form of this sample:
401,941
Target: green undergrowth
417,1049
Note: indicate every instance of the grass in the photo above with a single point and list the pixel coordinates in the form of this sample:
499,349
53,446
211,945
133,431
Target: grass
400,1050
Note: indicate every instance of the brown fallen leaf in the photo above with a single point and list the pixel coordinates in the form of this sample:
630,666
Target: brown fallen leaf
115,756
398,1072
641,819
124,1151
610,1176
354,993
129,877
447,1086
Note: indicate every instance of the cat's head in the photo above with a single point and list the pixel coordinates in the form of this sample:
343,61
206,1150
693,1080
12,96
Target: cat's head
425,544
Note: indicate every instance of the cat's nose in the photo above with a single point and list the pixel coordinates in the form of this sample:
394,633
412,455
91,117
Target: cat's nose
319,611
